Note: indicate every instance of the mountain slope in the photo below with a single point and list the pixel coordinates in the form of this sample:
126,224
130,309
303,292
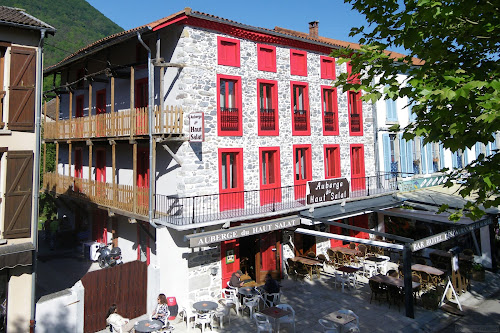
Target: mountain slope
77,22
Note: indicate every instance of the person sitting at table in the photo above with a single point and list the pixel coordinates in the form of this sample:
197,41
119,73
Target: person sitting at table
271,287
235,279
161,312
117,322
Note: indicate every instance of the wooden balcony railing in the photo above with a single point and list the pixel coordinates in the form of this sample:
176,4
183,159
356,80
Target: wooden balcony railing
120,123
122,197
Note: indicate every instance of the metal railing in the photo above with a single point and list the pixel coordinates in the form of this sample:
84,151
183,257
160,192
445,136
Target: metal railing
230,119
204,208
267,119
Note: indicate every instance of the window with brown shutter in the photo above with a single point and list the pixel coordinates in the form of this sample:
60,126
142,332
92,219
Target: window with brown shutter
22,89
18,195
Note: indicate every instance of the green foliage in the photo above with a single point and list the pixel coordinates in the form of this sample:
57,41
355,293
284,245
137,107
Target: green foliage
455,91
76,21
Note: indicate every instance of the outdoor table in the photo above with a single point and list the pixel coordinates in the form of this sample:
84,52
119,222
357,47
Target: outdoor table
393,281
275,313
346,250
148,326
427,269
205,306
340,319
312,264
380,262
348,269
247,291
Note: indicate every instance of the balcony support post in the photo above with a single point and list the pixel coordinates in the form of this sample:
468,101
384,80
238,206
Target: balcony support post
134,164
113,169
113,120
90,194
91,132
58,104
70,112
69,158
132,101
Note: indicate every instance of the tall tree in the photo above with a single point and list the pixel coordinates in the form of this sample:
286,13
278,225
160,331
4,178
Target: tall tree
454,89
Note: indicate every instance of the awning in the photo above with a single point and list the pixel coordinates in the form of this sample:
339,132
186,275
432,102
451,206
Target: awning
248,229
425,216
13,255
351,208
439,195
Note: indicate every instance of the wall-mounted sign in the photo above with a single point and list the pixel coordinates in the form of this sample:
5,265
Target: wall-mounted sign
449,234
216,236
327,190
196,127
230,256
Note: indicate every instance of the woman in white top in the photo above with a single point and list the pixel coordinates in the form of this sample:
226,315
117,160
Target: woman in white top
116,321
161,312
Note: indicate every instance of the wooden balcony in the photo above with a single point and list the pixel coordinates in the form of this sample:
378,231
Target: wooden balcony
117,124
122,197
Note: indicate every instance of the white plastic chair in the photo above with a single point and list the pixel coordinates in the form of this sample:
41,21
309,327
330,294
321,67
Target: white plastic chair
342,279
262,322
328,326
350,327
188,312
203,319
369,269
251,303
223,311
275,299
289,319
352,279
230,286
232,298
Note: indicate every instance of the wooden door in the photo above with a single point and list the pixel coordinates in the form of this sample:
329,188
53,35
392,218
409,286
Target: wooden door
142,176
141,104
268,256
100,110
22,89
230,259
18,194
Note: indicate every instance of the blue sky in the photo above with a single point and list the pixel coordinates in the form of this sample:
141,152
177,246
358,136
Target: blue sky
335,17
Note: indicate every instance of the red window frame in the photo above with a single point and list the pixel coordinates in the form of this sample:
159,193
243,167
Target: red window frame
300,117
267,118
351,78
227,117
357,152
298,62
332,161
100,108
266,58
329,108
355,110
228,51
78,163
302,169
100,165
327,68
270,175
231,195
79,106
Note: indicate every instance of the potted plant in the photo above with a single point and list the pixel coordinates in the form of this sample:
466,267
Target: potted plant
430,299
477,272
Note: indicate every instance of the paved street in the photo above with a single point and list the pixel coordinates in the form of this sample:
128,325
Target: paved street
315,299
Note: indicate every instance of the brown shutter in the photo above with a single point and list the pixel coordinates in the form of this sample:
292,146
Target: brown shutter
17,223
22,89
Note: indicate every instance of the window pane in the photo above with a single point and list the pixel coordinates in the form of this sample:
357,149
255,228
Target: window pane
224,170
223,93
264,167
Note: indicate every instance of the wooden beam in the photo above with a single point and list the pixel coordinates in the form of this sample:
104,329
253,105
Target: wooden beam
69,159
134,161
57,155
113,170
168,64
90,107
167,148
112,94
132,101
90,163
70,106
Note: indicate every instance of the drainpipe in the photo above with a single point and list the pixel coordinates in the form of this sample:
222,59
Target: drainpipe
36,176
152,173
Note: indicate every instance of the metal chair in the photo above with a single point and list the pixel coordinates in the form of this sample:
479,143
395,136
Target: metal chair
250,303
262,322
289,319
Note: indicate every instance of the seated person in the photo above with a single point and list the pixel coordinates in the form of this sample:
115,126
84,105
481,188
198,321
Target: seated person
271,287
161,312
117,322
235,279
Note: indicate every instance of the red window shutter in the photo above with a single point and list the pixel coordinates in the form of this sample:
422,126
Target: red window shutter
228,51
327,68
266,58
22,89
19,184
298,62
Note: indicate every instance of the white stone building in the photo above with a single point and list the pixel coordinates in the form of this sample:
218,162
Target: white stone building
271,123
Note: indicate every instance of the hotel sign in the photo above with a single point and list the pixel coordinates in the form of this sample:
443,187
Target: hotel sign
210,237
449,234
196,127
327,190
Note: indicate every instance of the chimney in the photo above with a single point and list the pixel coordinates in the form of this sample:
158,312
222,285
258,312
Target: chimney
313,29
